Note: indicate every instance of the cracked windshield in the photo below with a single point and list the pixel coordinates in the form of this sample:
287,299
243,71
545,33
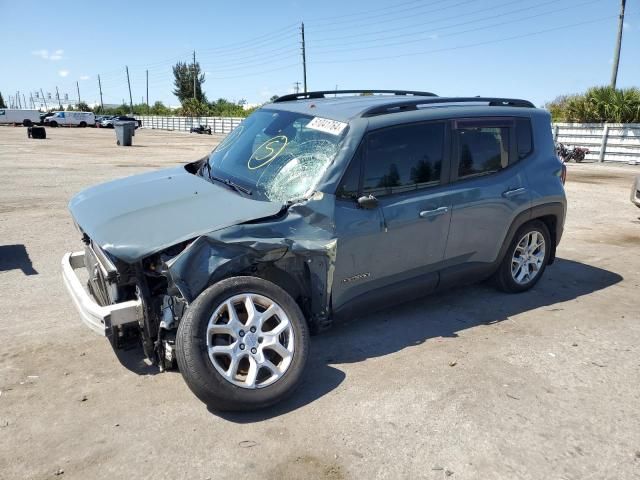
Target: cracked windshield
277,156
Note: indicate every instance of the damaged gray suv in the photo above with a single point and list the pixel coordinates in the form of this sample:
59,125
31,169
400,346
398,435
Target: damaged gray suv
317,207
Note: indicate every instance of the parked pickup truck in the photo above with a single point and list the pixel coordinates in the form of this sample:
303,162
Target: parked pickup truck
315,209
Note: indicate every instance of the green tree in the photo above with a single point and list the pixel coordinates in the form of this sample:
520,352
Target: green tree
183,81
159,108
597,105
83,107
194,108
2,104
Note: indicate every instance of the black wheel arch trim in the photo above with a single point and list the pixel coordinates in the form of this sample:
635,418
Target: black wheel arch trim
554,210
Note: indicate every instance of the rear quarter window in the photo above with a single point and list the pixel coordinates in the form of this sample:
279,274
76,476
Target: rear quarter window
524,137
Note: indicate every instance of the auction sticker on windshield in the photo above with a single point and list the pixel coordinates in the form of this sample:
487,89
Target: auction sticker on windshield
327,126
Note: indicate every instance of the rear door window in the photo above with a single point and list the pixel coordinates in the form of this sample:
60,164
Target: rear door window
483,147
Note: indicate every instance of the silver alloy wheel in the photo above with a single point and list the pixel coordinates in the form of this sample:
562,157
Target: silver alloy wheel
250,340
528,257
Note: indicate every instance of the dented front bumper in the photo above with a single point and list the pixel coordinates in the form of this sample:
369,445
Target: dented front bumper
99,318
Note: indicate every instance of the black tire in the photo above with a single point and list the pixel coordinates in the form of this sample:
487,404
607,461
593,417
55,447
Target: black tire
53,124
82,124
197,369
27,123
503,278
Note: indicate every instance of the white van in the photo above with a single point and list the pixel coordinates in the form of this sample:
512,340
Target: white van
79,119
19,116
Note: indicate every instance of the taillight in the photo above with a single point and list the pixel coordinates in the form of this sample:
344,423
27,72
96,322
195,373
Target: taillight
563,174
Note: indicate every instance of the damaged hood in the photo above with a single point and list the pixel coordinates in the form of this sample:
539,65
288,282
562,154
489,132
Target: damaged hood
137,216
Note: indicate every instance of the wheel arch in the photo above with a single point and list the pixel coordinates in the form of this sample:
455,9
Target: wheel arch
551,214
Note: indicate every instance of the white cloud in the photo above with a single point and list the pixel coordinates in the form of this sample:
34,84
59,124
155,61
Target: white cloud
45,55
434,36
63,73
85,77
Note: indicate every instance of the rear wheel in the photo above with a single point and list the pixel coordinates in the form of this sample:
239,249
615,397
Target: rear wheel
27,123
526,259
82,124
243,344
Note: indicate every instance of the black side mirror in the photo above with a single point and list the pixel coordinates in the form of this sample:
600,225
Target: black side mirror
368,202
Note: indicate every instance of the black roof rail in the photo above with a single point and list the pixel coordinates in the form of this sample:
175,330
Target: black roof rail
323,93
413,104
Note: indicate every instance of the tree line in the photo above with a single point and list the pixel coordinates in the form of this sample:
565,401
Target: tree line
598,105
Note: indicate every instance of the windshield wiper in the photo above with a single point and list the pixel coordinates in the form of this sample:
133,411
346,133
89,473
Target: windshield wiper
229,183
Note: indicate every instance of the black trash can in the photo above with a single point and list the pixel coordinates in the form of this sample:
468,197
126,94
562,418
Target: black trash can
36,132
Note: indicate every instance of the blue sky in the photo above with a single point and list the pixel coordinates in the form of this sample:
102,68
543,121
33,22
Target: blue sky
534,49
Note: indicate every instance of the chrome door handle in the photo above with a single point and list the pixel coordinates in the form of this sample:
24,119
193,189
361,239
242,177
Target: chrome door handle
434,213
514,192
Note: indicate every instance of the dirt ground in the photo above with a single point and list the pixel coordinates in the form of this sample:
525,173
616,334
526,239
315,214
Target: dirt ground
469,384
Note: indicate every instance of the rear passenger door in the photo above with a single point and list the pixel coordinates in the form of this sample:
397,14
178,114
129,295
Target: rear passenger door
488,185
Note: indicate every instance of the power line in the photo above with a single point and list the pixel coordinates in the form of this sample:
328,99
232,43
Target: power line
475,29
470,45
388,16
429,22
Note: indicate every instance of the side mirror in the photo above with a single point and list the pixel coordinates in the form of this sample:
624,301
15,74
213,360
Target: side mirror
368,202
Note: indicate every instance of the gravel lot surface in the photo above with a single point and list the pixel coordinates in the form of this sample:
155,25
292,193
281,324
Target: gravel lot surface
469,384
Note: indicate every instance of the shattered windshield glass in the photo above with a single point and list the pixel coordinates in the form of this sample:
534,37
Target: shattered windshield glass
277,155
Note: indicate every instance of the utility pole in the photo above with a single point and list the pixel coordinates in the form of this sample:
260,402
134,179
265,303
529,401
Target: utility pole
44,100
304,60
194,74
129,83
296,86
147,92
58,97
616,56
78,87
100,88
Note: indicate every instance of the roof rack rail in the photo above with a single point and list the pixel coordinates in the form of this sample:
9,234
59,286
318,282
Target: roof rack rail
322,94
413,104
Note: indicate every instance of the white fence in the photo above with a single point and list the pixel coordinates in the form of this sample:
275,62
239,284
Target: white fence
610,142
184,124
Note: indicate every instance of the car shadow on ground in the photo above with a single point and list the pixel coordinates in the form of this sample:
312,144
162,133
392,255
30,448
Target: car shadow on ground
15,257
440,315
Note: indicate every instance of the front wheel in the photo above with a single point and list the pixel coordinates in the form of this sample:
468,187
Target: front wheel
526,258
82,124
53,124
243,344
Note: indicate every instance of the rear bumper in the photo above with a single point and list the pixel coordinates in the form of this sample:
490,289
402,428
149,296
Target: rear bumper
100,319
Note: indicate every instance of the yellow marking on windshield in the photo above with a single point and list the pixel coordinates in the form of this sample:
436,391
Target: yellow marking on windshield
269,153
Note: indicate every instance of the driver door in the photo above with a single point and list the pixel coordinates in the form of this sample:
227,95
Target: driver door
394,247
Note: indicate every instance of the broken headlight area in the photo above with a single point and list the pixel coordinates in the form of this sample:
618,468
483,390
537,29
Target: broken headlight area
164,306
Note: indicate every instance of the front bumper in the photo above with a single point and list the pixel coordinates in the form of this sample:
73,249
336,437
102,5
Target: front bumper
100,319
